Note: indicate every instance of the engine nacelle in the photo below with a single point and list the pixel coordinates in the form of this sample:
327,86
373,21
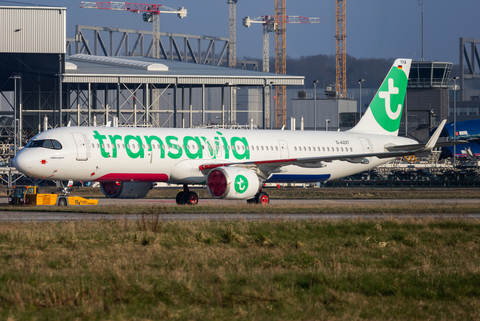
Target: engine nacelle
232,183
125,189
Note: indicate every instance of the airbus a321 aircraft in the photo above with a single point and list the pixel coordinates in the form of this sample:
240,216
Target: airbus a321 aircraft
234,164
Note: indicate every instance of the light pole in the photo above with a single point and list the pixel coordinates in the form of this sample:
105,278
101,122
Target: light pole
326,124
360,83
270,103
15,77
454,120
315,104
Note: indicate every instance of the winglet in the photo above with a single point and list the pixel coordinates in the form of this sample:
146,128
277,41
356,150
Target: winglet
433,140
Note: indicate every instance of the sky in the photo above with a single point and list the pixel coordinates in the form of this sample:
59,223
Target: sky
375,28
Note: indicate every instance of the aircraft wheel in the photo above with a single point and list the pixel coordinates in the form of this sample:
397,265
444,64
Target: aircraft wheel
192,198
180,198
62,202
263,198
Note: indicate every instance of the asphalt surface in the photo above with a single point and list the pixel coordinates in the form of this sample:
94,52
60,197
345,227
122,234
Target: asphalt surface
60,217
35,216
210,201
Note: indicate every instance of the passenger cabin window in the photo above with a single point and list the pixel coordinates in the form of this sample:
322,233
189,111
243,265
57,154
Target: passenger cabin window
45,143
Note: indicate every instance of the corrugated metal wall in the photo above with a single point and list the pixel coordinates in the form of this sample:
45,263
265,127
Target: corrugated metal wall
32,29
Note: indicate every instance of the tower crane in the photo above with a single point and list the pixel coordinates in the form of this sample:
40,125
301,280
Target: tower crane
269,25
151,13
341,51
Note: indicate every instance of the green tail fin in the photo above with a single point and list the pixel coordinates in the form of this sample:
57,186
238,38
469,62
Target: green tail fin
384,114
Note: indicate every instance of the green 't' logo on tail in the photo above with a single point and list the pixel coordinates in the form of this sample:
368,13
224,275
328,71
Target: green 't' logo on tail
387,105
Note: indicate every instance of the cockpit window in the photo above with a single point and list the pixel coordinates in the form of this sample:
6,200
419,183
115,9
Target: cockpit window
45,143
48,144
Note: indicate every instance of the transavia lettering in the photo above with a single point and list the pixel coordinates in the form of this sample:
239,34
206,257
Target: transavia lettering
193,147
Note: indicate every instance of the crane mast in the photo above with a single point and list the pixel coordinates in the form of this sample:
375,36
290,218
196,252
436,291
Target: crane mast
341,51
232,48
280,62
232,56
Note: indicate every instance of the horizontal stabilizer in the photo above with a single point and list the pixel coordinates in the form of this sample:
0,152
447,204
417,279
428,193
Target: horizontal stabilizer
416,147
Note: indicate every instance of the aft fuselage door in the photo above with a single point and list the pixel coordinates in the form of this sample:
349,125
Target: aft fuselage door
283,149
81,144
366,145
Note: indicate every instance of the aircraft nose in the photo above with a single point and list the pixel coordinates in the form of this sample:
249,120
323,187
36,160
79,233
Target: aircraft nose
23,162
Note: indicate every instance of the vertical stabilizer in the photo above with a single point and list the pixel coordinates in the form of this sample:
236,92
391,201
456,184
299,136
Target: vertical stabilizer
385,111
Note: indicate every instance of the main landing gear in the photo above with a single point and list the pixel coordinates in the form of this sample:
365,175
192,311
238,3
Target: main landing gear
186,197
260,198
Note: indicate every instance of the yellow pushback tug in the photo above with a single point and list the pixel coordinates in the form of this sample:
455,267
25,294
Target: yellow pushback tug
27,195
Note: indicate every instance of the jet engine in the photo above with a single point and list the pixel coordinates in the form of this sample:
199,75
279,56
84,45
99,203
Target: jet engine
125,189
233,183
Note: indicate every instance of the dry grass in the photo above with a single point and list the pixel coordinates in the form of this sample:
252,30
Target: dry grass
413,269
359,208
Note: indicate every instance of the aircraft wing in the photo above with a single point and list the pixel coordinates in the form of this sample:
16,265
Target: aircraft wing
316,162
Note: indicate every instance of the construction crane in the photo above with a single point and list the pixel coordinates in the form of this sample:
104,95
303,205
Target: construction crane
341,51
151,13
269,25
280,62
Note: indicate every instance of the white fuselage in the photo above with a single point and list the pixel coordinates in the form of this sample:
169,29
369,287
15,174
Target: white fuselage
174,155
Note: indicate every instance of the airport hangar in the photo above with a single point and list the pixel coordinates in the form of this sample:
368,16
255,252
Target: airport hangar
46,89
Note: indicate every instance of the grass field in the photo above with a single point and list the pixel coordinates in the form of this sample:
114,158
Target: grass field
359,208
413,269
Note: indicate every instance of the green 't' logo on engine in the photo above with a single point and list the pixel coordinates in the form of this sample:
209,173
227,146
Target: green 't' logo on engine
241,184
387,104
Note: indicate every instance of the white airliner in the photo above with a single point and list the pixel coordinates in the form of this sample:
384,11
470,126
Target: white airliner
234,164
